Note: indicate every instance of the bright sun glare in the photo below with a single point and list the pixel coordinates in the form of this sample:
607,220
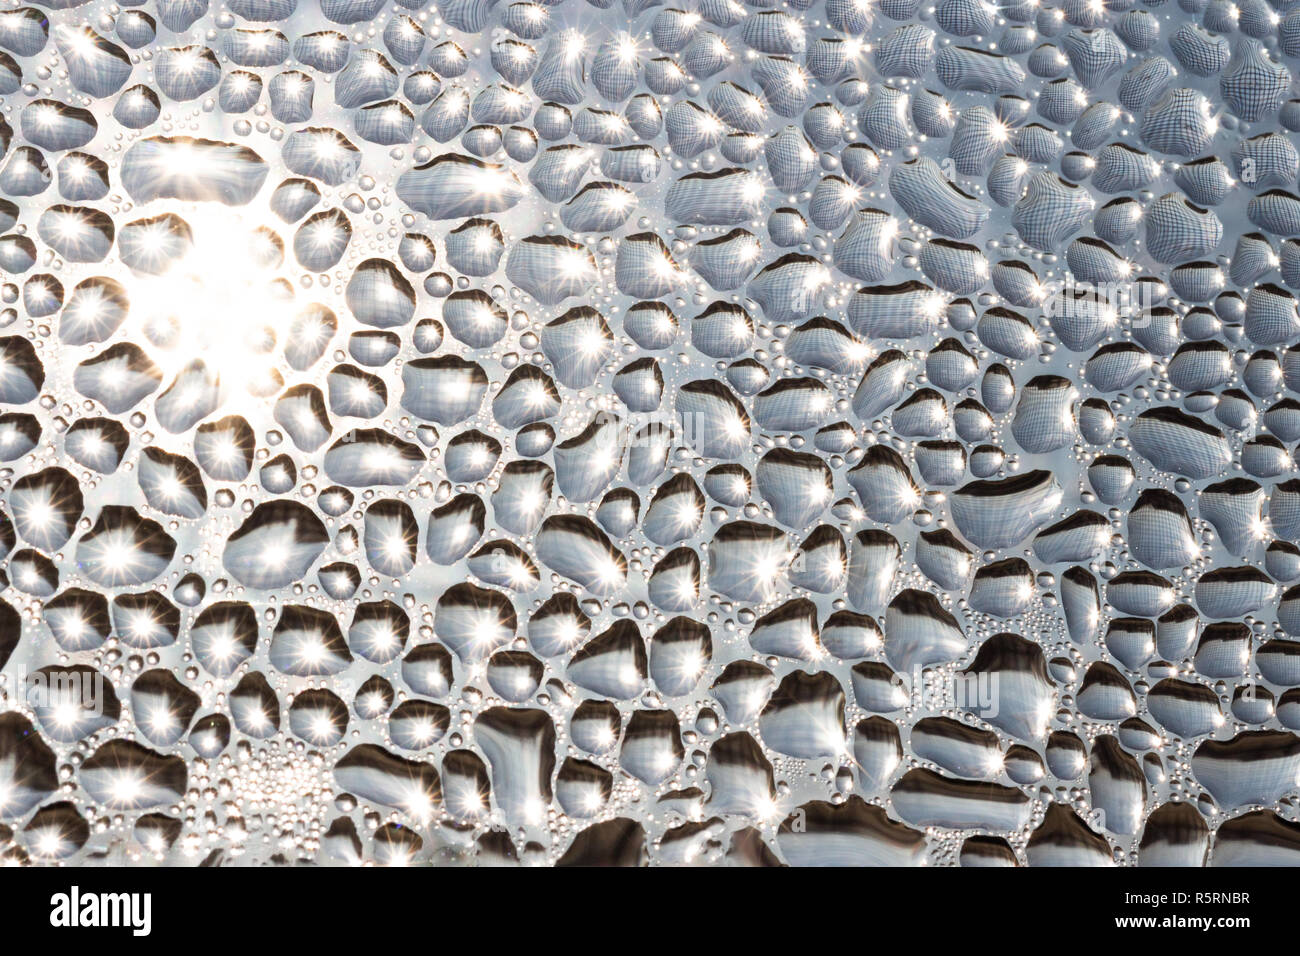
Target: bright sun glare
221,301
